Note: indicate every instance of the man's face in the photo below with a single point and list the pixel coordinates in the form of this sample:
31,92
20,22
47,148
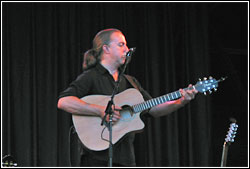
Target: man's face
118,48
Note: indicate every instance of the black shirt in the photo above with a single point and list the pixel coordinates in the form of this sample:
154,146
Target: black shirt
99,81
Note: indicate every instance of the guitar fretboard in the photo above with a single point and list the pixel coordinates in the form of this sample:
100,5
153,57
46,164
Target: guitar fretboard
158,100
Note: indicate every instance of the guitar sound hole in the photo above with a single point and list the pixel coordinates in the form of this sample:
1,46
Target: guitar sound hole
126,114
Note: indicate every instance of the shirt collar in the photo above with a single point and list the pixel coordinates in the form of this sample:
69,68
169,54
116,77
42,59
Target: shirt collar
101,69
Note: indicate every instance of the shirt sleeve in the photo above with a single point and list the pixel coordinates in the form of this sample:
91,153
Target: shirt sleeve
79,87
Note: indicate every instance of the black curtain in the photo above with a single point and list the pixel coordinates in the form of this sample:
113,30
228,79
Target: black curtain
177,43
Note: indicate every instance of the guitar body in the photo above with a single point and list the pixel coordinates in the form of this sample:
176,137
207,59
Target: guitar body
89,128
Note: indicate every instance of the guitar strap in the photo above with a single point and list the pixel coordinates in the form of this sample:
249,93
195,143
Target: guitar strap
134,84
131,81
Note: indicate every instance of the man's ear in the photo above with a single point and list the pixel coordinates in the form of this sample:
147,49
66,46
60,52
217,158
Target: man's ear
105,48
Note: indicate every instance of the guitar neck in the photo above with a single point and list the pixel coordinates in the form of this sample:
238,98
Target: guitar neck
158,100
224,155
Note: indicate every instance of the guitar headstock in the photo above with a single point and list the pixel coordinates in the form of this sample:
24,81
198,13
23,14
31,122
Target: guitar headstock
208,84
231,132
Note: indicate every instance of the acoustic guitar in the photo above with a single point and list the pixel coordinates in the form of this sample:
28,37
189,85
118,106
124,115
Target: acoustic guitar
94,136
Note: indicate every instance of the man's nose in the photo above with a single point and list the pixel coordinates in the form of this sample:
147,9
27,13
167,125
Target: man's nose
127,49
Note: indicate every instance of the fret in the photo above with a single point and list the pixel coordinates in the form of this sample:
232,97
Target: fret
168,97
147,104
137,108
143,108
161,100
156,101
153,101
172,95
176,95
165,99
134,108
179,94
140,107
150,103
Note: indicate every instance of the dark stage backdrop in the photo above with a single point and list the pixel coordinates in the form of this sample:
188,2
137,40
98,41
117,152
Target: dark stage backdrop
177,43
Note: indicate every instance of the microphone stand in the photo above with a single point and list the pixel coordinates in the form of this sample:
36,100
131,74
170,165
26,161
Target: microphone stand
109,111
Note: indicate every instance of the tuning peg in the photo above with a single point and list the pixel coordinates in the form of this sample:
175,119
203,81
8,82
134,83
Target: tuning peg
210,77
199,79
204,78
215,89
205,93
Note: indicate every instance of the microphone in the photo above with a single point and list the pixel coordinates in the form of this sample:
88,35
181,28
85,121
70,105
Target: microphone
130,52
